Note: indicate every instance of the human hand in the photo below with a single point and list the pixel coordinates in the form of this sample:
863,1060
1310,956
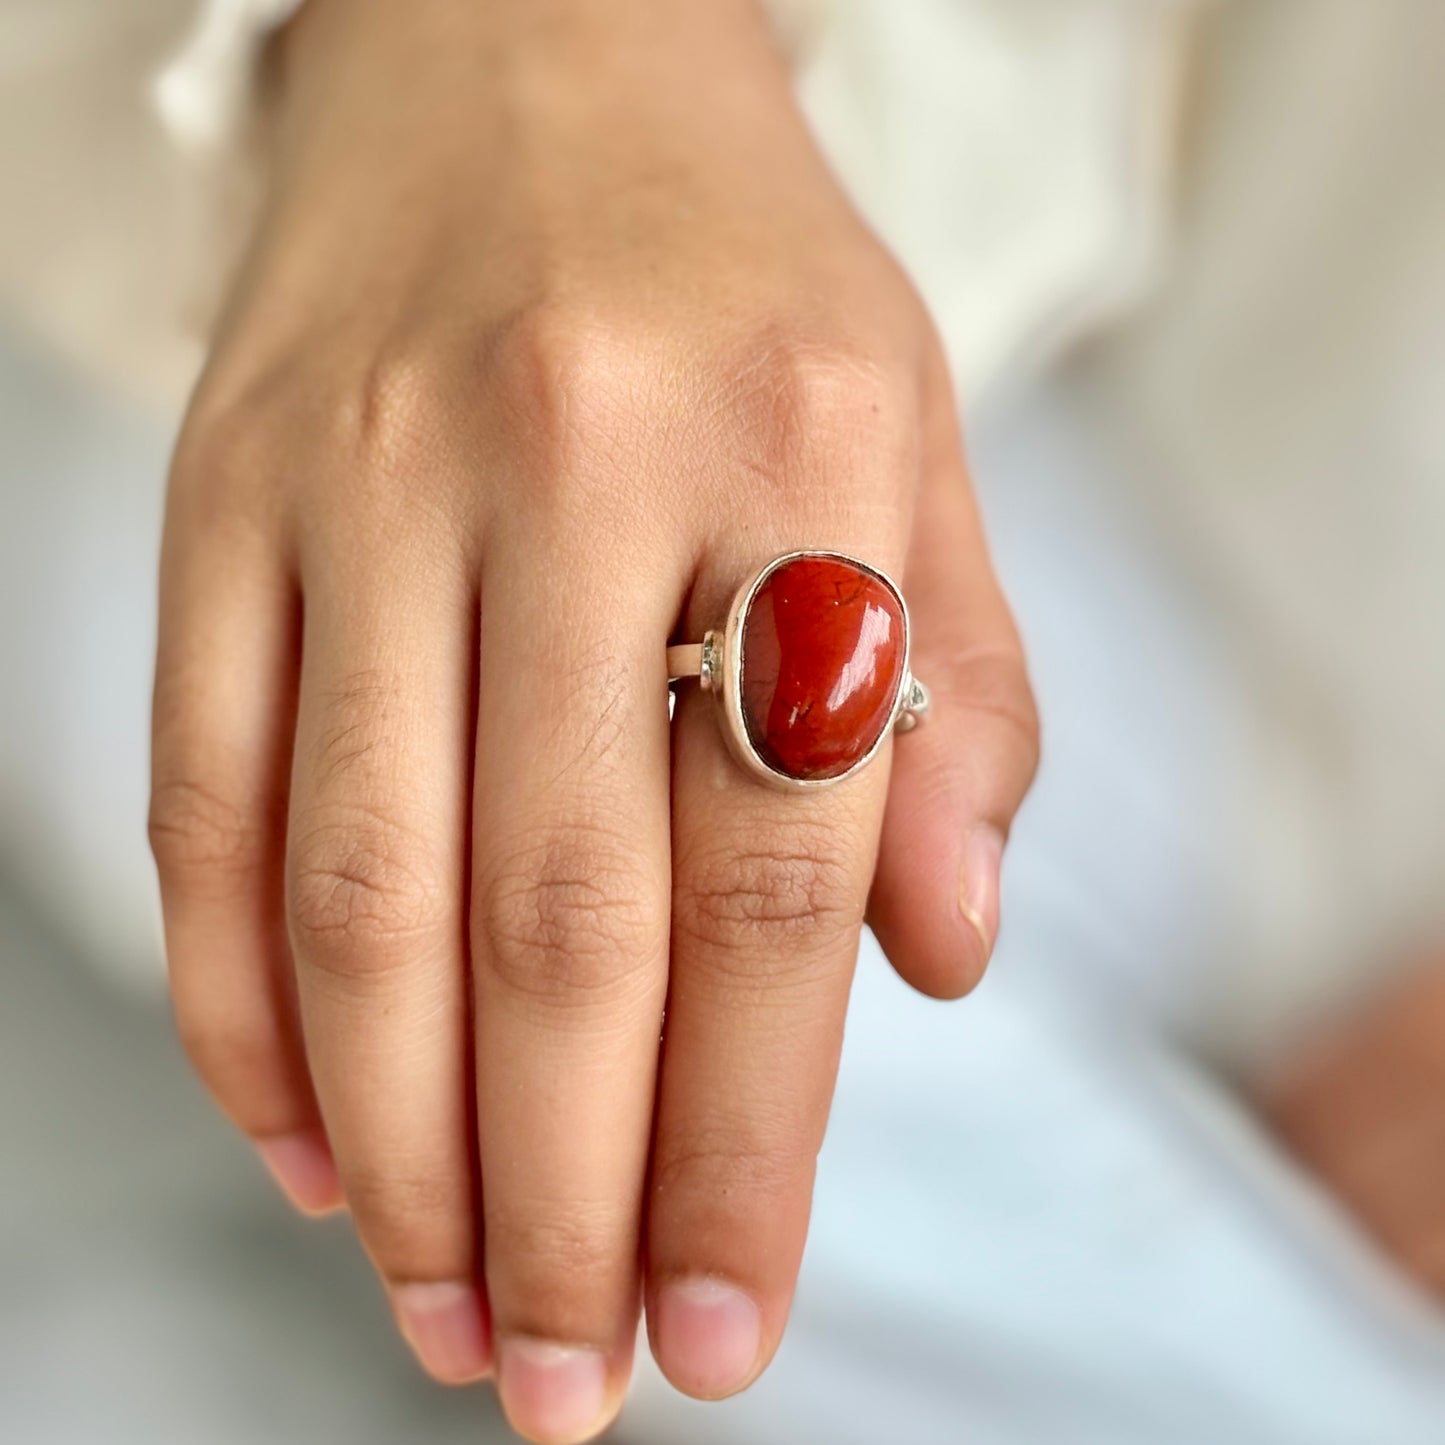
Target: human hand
556,328
1364,1109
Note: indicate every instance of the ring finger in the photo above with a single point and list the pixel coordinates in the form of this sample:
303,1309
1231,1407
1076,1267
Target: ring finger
768,900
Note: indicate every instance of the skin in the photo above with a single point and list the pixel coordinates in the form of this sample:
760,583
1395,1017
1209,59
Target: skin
556,329
1364,1109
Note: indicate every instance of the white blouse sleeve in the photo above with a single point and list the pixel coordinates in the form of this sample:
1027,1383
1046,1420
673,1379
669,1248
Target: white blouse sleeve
204,94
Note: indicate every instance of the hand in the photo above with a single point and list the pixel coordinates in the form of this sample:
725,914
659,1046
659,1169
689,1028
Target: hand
1364,1109
555,329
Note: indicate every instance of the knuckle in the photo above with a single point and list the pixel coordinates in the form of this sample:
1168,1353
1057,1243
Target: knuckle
394,415
568,376
570,918
383,429
751,899
413,1199
734,1161
359,886
809,395
555,353
397,429
567,1245
201,838
995,683
415,1223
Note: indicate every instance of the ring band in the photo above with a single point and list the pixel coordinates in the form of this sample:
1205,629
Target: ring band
811,668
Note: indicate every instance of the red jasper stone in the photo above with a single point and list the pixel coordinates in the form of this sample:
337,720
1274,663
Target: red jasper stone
823,646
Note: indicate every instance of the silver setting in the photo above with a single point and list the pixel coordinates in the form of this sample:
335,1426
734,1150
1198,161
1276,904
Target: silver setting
702,660
913,705
717,663
711,664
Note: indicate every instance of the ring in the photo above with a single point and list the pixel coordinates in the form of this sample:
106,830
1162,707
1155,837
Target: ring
811,669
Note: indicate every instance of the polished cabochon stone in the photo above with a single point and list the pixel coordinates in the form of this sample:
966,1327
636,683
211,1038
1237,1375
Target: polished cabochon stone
824,644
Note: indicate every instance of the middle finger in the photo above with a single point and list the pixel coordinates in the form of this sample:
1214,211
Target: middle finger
569,930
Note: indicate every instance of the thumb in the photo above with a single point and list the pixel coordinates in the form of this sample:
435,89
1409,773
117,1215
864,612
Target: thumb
959,778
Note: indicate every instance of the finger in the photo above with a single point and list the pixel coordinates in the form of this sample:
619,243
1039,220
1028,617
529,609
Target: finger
375,878
768,898
959,779
570,955
224,706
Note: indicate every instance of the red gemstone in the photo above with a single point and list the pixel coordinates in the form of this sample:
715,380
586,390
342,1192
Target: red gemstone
823,646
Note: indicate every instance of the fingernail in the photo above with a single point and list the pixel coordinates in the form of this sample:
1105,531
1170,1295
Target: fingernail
978,887
302,1165
707,1334
552,1393
446,1325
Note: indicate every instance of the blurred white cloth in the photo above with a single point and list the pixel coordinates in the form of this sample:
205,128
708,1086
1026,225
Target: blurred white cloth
205,93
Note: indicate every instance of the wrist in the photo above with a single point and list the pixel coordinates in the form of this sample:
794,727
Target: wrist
453,88
580,46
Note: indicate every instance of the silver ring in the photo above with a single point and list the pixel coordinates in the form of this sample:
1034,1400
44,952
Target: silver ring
811,669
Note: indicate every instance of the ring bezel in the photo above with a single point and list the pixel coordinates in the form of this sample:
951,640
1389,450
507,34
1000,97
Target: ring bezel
727,669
